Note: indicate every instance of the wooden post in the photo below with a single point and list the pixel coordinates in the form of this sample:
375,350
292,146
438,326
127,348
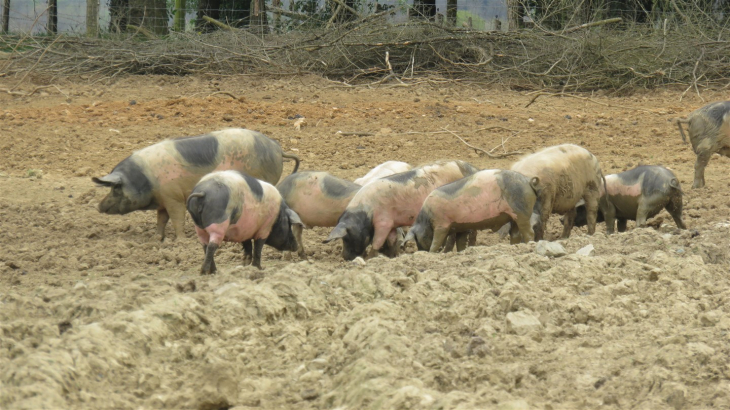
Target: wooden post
179,23
92,18
513,15
6,15
52,17
259,22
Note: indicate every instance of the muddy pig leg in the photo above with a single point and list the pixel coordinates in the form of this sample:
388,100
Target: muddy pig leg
591,200
258,246
439,236
380,235
609,215
544,210
473,238
247,252
450,242
162,218
209,262
703,158
621,224
568,221
521,230
462,239
297,231
642,212
674,207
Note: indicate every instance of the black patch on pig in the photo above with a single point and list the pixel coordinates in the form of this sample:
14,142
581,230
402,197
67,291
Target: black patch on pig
338,188
423,236
466,168
211,208
402,177
513,185
656,178
254,185
281,236
452,188
717,111
286,186
266,153
133,177
198,151
359,235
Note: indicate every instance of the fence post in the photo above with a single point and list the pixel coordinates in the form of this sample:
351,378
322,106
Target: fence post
6,15
179,23
52,17
92,18
451,9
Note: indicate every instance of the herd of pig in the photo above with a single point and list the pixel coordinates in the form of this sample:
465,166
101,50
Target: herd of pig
228,181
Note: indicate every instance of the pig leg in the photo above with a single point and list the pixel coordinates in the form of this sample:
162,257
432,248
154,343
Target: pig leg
544,210
675,209
568,221
439,236
177,214
162,218
258,246
247,252
450,242
609,215
390,248
472,238
642,213
703,158
591,201
621,224
521,230
382,231
462,238
209,263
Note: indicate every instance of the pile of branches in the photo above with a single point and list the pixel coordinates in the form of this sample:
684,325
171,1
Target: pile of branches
601,55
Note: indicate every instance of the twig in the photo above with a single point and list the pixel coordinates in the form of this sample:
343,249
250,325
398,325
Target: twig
586,99
36,63
143,30
477,149
348,8
223,93
355,134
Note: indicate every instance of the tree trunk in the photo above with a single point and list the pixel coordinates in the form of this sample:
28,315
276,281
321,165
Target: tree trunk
451,8
210,8
6,15
92,18
52,17
179,21
514,15
259,22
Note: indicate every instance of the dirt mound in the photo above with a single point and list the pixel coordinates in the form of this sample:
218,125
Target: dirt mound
95,312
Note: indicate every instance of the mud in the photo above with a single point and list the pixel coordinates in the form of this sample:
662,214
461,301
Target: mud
95,312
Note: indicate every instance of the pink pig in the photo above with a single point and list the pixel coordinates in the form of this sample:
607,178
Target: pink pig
486,199
235,207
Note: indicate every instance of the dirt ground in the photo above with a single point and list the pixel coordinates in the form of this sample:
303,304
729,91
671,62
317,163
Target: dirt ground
95,312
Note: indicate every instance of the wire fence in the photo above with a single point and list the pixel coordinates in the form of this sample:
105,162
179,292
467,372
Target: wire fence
32,16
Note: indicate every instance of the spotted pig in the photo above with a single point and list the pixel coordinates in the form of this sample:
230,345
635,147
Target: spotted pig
709,132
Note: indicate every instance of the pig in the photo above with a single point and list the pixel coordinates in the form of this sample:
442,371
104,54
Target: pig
160,177
567,174
236,207
383,170
385,204
709,133
486,199
317,197
638,194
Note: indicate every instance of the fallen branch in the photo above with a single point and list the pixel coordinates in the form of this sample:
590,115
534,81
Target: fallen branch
143,31
593,24
488,153
223,93
217,23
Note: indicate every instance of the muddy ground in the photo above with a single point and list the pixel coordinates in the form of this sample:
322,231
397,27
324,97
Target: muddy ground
96,313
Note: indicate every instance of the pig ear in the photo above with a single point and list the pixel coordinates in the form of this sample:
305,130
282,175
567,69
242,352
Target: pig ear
109,180
294,218
339,232
535,182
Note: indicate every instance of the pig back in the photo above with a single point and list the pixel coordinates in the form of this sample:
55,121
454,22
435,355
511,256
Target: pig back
565,172
250,152
709,127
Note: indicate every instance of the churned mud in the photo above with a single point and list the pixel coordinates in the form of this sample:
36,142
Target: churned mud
95,312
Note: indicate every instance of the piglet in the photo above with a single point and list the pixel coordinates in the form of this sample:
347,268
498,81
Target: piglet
385,204
383,170
235,207
637,195
486,199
